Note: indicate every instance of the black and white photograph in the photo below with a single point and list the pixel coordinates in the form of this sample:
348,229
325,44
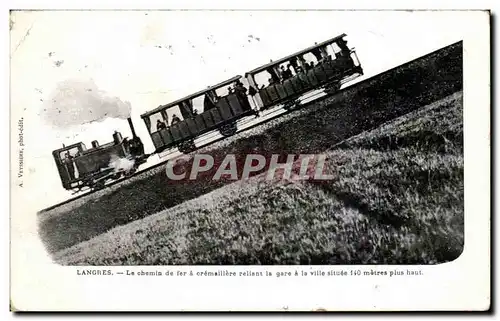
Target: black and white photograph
240,138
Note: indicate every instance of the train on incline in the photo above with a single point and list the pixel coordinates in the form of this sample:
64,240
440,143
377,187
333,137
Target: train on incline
325,66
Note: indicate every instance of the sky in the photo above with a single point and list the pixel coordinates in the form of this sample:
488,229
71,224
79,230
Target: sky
149,58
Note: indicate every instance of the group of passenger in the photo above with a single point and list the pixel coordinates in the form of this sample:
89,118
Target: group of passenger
162,125
238,89
287,73
277,76
300,65
304,66
210,102
241,92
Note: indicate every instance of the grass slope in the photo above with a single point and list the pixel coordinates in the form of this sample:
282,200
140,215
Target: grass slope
311,130
394,203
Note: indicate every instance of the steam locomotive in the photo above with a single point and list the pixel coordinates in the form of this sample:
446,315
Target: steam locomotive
324,66
81,167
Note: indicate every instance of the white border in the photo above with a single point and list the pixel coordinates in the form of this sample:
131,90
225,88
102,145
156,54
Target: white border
288,4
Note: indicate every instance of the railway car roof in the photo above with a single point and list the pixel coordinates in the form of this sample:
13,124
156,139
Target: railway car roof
196,94
276,62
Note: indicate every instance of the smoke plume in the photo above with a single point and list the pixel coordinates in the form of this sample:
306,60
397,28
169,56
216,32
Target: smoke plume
76,102
121,164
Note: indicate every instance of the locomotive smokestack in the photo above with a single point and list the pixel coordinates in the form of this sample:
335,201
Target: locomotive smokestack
131,127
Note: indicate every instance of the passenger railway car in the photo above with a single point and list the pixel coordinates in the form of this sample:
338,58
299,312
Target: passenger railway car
81,167
177,124
326,66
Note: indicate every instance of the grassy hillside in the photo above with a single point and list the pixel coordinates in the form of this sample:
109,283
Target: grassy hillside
397,198
311,130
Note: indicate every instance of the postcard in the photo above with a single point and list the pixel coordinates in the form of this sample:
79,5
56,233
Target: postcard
250,160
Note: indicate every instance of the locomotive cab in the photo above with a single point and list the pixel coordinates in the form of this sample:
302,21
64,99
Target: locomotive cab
81,167
66,165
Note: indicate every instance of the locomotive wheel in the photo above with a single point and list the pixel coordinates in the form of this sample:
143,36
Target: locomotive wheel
130,172
228,129
291,104
98,185
187,147
332,89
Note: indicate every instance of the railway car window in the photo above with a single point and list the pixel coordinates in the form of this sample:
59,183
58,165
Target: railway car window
224,91
342,44
283,69
334,47
308,59
186,108
286,70
334,50
292,69
174,110
245,83
176,119
246,94
317,53
154,120
263,78
73,152
199,103
330,52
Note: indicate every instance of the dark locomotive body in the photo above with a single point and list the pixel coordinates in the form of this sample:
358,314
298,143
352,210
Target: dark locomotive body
81,167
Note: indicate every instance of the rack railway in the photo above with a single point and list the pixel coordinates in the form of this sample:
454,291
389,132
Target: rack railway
212,114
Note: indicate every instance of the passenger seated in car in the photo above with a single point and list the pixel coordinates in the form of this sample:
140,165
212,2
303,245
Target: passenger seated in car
239,88
208,103
345,54
241,92
288,71
175,120
344,50
160,125
283,73
252,91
